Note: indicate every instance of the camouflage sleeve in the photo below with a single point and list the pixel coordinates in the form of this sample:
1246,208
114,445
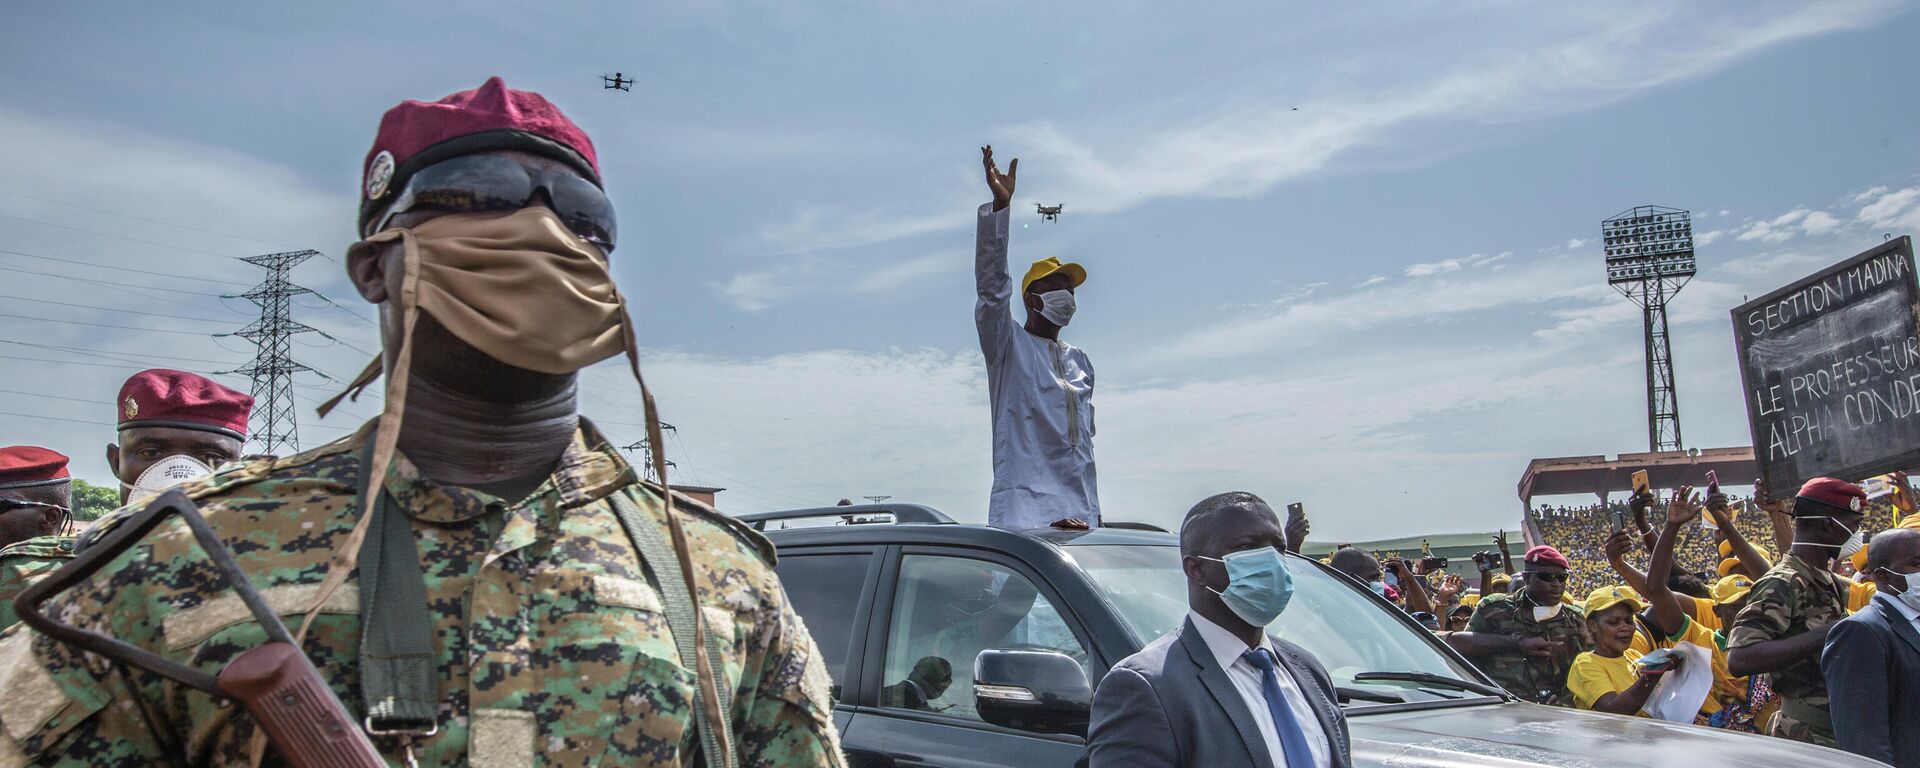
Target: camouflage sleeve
1482,619
1768,612
12,580
58,711
788,712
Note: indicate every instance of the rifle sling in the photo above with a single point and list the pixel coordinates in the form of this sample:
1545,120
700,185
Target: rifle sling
396,629
656,554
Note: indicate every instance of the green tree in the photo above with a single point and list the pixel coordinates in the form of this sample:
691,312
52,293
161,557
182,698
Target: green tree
91,501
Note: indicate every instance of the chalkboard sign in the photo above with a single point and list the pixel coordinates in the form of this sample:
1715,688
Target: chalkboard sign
1830,366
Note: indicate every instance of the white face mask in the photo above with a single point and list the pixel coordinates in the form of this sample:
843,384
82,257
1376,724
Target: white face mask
166,473
1057,307
1856,540
1545,612
1910,588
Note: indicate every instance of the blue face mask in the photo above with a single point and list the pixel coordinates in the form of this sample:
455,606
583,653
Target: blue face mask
1258,584
1379,588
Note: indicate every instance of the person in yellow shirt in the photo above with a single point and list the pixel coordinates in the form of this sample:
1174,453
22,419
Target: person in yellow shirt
1607,678
1728,705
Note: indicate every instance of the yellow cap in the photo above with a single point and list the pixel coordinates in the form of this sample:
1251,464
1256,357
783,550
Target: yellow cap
1050,265
1731,588
1470,600
1726,566
1502,581
1726,548
1607,597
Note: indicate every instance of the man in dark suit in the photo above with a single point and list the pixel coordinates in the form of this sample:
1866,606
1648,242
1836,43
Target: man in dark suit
1872,658
1219,692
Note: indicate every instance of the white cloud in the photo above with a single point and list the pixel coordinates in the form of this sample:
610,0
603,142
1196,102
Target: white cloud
1433,268
1254,141
1372,281
1899,209
1867,194
1575,243
1819,223
1707,238
759,289
901,274
1724,212
1777,230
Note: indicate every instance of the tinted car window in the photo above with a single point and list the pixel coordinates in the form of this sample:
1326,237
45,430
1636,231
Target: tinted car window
825,591
1346,630
945,612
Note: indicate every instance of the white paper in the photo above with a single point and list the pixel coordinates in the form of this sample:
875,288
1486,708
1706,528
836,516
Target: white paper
1678,696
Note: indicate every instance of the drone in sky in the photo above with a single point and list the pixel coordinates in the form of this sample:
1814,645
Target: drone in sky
617,82
1050,212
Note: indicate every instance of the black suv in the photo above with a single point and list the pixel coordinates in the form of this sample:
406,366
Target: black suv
963,645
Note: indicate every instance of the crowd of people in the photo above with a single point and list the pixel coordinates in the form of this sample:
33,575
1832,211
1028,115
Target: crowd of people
1612,599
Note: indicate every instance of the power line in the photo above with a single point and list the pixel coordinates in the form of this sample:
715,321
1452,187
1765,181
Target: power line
56,418
120,268
112,309
108,282
51,397
141,218
101,325
89,365
105,352
98,233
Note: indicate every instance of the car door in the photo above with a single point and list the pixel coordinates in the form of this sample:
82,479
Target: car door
832,589
934,610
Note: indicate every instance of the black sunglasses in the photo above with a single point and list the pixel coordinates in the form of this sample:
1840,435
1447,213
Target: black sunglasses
486,183
1546,576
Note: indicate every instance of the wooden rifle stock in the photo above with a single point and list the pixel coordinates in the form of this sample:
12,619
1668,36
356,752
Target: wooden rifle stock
274,682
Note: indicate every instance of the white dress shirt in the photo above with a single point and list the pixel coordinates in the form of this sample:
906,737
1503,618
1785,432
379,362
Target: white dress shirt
1913,616
1041,393
1229,652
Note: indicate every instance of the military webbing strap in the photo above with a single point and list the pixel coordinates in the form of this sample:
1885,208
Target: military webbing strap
396,629
656,553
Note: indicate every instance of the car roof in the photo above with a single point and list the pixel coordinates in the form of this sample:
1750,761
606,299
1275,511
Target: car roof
964,534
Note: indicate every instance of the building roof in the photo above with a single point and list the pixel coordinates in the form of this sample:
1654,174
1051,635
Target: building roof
1592,475
1442,544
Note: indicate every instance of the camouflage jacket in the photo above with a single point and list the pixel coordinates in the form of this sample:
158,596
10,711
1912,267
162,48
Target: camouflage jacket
23,563
1527,676
552,645
1791,598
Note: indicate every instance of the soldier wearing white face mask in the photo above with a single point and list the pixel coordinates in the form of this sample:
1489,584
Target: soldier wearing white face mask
174,426
1040,388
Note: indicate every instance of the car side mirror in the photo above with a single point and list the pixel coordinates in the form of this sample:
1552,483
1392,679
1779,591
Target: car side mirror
1032,690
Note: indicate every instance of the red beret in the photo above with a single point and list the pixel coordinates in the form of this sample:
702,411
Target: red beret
25,466
1833,492
417,134
162,397
1545,555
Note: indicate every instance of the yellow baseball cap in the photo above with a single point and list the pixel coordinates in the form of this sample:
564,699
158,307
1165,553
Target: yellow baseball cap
1050,265
1731,588
1607,597
1469,600
1726,566
1502,581
1726,548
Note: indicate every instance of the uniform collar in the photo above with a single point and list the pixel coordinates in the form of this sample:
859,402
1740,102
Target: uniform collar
589,469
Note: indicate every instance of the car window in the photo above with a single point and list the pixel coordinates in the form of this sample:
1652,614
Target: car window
947,610
1347,630
825,591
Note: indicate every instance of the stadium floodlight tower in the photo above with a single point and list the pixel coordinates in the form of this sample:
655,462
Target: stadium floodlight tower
1649,259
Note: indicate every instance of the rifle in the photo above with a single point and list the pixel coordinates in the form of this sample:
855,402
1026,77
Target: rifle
274,682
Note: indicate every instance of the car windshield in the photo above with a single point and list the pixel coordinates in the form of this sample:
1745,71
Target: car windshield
1342,626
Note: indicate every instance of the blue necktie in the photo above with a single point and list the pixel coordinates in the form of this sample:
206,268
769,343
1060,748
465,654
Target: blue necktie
1293,740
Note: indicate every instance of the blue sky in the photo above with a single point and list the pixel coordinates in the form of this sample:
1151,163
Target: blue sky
1382,303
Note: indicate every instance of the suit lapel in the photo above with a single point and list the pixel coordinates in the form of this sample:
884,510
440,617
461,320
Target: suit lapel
1901,626
1309,686
1228,697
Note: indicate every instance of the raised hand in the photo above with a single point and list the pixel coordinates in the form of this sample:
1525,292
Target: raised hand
1000,183
1766,501
1618,545
1680,508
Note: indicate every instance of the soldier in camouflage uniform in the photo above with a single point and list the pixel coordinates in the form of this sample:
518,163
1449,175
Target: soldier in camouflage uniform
26,562
1541,634
173,425
1790,609
550,631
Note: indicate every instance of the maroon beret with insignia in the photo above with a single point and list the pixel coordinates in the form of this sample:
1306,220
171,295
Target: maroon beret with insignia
1832,492
163,397
25,466
1545,555
417,134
